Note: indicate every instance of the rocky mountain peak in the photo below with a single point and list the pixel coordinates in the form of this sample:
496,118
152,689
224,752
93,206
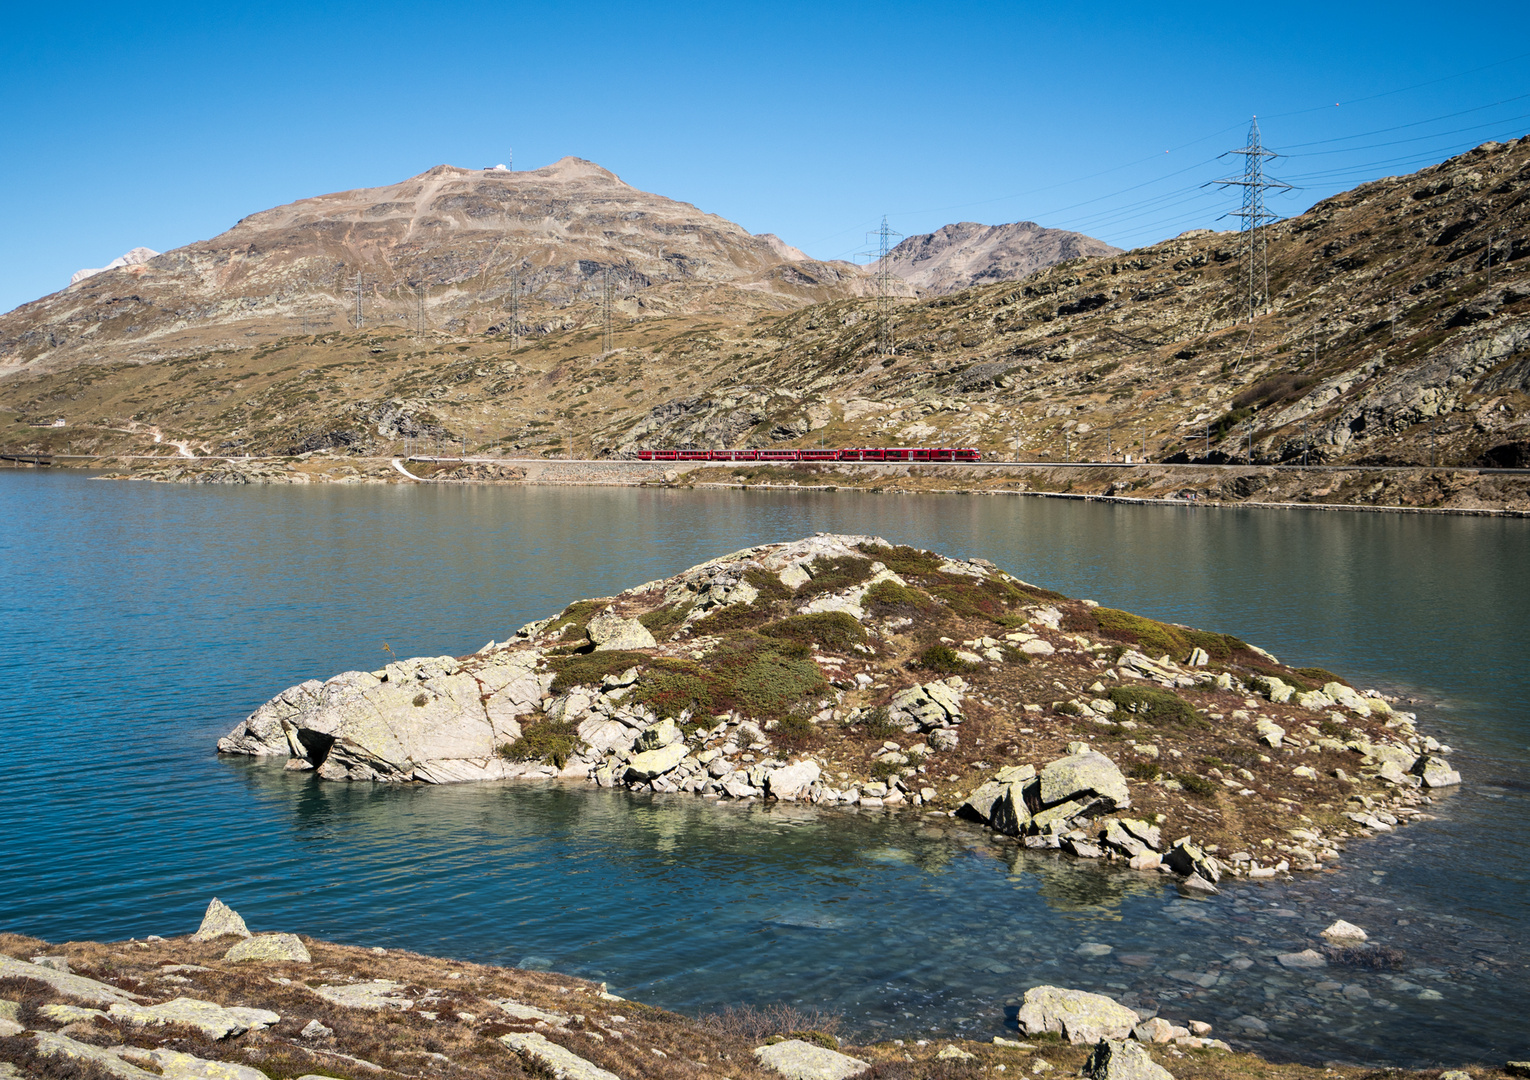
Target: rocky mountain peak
967,253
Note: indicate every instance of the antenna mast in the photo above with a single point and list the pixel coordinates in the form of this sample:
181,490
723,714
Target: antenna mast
1255,261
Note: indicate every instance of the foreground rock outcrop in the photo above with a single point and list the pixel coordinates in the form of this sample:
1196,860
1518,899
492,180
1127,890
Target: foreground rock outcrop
846,671
379,1013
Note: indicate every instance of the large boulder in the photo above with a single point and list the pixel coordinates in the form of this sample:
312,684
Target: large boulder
220,921
652,763
213,1020
796,1059
431,719
75,986
269,949
791,782
1083,775
1077,1015
1435,772
608,631
1115,1059
554,1060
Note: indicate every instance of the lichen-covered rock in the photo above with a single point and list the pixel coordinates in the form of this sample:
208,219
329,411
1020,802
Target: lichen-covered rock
652,763
1077,1015
76,986
796,1059
213,1020
1114,1059
608,631
270,949
561,1062
375,995
791,782
1083,775
51,1045
220,921
1435,772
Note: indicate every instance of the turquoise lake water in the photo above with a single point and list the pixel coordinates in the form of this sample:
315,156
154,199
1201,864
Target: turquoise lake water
139,622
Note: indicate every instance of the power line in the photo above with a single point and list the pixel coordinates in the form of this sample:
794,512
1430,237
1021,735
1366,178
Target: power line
1256,260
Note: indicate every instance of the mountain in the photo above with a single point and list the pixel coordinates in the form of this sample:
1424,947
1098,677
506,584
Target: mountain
137,257
1389,336
454,235
960,256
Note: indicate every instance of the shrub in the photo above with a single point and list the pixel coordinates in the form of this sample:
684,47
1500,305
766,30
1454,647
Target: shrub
796,731
767,585
730,618
1149,635
1199,786
885,771
991,598
663,622
573,619
548,742
760,677
903,560
835,575
878,723
1145,770
1320,676
835,630
888,598
943,659
752,1024
1156,706
1070,708
588,669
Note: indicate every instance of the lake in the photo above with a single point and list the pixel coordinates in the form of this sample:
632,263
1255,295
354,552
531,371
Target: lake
141,621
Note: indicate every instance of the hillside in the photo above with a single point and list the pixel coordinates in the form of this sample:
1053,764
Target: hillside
437,250
967,254
1385,342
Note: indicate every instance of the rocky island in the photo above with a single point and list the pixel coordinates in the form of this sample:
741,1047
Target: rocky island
845,671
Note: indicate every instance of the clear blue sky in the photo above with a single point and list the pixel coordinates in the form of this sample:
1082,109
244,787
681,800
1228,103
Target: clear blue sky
161,124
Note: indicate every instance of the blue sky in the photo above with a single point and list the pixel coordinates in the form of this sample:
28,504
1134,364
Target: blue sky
162,124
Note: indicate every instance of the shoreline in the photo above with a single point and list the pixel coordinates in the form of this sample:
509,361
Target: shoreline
1443,490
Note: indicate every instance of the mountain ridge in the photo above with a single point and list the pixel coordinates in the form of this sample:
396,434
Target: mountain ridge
966,254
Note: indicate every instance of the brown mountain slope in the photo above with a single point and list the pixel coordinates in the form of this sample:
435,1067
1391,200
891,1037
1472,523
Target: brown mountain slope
966,254
457,234
1385,341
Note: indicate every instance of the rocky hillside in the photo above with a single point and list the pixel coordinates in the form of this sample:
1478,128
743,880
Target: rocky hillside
966,254
843,671
454,236
1389,337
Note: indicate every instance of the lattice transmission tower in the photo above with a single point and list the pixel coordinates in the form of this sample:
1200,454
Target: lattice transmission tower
1255,215
882,279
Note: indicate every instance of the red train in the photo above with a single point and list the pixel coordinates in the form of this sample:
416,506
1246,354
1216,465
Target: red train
864,453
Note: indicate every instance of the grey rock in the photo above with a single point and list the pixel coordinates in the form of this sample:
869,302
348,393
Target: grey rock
57,963
1155,1030
75,986
1196,884
70,1014
1077,1015
1344,931
1189,858
791,782
652,763
174,1065
1307,958
1083,775
522,1011
609,632
9,1028
271,949
799,1060
10,1010
315,1030
1436,772
1117,1060
220,921
375,995
980,804
562,1063
214,1021
51,1045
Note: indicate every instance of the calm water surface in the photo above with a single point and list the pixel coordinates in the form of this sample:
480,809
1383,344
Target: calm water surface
139,622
